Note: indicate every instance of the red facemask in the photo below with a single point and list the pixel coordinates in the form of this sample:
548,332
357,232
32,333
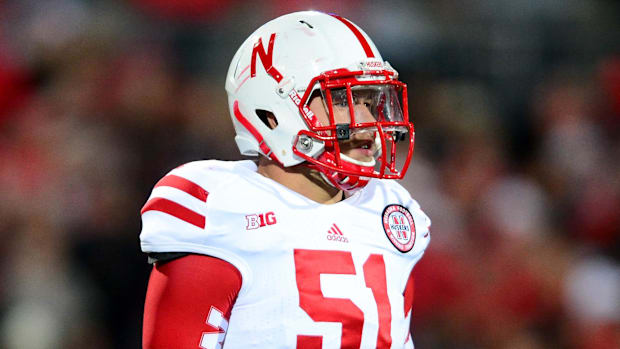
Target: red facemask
385,98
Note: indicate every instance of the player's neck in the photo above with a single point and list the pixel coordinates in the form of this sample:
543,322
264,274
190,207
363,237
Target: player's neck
302,180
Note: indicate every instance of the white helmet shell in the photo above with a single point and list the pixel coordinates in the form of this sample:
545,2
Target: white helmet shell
282,62
304,45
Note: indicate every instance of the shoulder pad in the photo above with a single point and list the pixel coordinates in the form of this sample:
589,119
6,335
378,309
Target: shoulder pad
397,193
177,206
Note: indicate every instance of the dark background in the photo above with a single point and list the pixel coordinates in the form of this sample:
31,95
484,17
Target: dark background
517,111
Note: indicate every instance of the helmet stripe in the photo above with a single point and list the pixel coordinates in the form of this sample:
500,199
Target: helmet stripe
259,138
360,37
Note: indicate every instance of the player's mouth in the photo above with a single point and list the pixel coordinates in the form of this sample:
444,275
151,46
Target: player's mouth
359,149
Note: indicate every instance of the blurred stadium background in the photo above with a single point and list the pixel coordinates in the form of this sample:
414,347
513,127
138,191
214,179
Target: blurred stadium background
517,108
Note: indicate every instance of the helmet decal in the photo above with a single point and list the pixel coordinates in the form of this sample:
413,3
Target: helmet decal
266,58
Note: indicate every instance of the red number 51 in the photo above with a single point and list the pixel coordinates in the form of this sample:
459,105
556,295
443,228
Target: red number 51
309,265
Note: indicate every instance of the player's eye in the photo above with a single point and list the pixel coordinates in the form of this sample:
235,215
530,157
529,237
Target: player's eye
362,99
339,98
341,103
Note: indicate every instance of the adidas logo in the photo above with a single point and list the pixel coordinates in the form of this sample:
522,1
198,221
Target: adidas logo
335,234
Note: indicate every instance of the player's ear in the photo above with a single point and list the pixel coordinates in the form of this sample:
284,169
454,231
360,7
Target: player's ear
267,118
316,103
316,94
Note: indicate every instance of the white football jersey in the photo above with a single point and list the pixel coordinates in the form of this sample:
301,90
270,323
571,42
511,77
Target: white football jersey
330,276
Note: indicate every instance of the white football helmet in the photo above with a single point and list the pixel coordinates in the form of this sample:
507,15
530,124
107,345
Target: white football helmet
294,58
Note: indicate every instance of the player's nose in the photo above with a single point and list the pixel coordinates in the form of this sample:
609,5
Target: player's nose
363,114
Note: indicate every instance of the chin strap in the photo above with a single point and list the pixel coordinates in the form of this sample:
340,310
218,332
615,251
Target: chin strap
348,183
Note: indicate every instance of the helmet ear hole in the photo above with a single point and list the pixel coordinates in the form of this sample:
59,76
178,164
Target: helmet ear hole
267,118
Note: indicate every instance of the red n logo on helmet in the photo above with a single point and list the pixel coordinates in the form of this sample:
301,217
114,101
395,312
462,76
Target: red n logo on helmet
265,57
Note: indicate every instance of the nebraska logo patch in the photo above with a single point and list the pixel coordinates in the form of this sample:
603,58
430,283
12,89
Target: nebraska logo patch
399,227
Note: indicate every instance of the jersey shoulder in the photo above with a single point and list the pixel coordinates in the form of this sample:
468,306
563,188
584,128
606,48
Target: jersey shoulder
388,192
210,174
175,212
199,178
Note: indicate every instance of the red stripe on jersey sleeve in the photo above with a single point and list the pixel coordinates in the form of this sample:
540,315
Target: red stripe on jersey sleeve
185,185
172,208
181,294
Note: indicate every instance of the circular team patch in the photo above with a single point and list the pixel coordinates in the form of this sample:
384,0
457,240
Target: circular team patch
399,227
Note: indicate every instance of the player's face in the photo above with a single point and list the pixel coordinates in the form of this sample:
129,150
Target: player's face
361,145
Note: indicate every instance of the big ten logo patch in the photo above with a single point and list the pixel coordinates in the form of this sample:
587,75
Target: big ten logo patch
255,221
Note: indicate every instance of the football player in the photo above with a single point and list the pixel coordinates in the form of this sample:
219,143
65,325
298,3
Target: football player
312,245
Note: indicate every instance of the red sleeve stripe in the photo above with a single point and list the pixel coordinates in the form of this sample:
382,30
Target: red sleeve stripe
176,210
185,185
360,37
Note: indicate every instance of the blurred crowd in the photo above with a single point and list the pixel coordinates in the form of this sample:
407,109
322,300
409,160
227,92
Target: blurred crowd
517,111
